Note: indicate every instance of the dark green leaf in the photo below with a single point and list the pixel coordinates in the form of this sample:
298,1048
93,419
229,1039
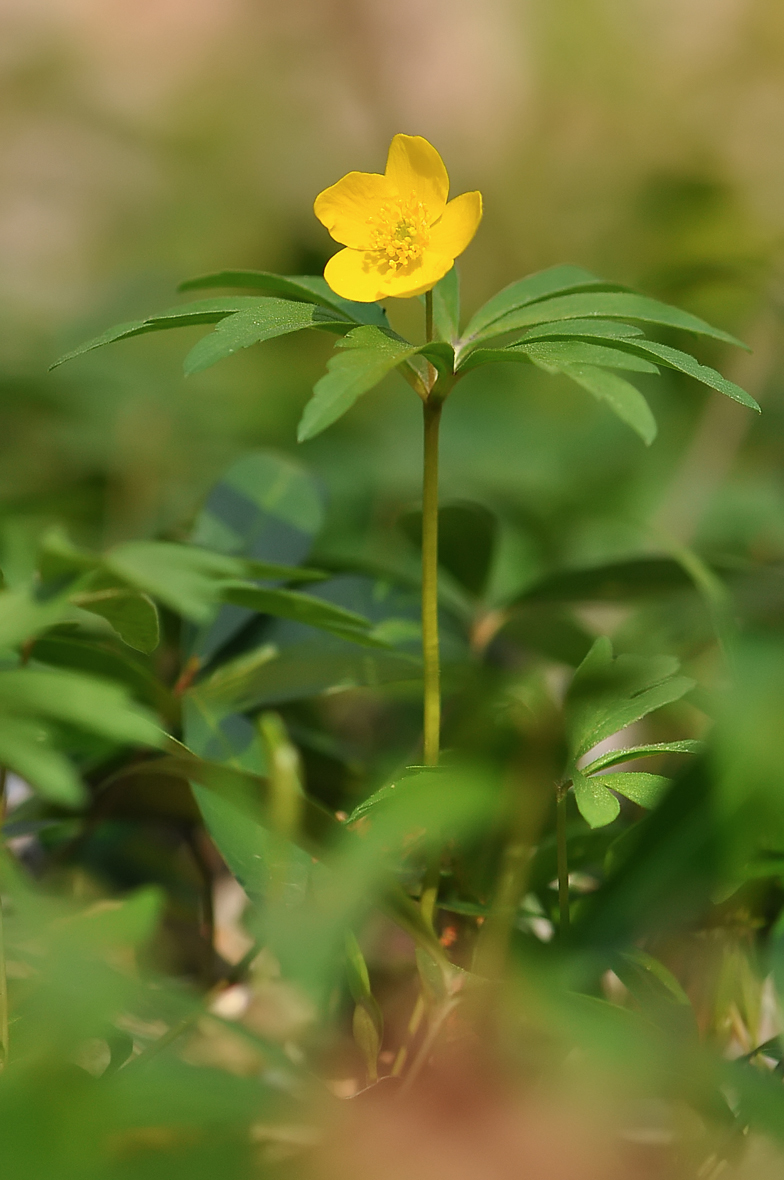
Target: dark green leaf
612,330
201,311
560,355
364,358
613,582
301,608
645,789
614,757
622,397
558,280
268,319
133,616
310,288
605,304
673,358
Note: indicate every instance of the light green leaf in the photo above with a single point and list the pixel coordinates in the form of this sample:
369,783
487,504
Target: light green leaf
184,577
366,355
268,319
597,805
620,395
446,306
97,706
25,749
558,280
642,788
673,358
301,608
310,288
22,616
622,305
201,311
133,616
614,757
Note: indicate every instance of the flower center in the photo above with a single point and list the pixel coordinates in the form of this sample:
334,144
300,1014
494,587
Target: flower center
399,232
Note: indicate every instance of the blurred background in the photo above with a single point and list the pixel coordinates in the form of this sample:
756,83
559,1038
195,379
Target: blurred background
145,142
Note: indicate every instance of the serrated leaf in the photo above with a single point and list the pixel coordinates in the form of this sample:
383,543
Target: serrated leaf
201,311
673,358
310,288
133,616
268,319
557,280
614,757
597,805
642,788
622,305
364,358
446,306
623,398
301,608
608,694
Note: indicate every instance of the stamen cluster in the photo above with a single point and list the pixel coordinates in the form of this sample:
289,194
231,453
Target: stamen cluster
400,232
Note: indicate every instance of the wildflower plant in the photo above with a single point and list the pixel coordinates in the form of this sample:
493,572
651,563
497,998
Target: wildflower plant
209,749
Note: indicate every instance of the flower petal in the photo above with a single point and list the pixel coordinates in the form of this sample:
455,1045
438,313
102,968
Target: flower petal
414,166
458,225
416,279
352,275
344,208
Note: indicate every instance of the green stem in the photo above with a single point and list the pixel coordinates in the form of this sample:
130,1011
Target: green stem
563,859
3,975
430,652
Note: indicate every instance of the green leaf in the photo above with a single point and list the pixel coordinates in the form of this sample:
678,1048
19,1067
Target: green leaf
608,694
133,616
310,288
201,311
611,582
94,705
597,805
558,280
184,577
26,749
614,757
22,616
556,355
673,358
620,395
301,608
612,330
645,789
268,319
446,306
622,305
366,355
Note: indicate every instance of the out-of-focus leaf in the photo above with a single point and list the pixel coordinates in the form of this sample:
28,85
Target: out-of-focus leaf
301,608
272,317
26,749
614,757
597,805
310,288
184,577
607,693
364,358
102,658
133,616
611,582
446,306
201,311
558,280
620,395
642,788
22,616
467,534
609,305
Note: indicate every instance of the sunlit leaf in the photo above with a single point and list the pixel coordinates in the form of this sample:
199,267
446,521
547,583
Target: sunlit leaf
645,789
614,757
310,288
597,805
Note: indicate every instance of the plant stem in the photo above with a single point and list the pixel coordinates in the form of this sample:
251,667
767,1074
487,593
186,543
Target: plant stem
3,976
430,652
563,860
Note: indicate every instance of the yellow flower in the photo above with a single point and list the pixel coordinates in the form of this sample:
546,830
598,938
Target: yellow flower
400,233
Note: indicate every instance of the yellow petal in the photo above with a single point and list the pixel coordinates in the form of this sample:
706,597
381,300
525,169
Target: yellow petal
458,225
344,208
352,275
414,166
418,278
